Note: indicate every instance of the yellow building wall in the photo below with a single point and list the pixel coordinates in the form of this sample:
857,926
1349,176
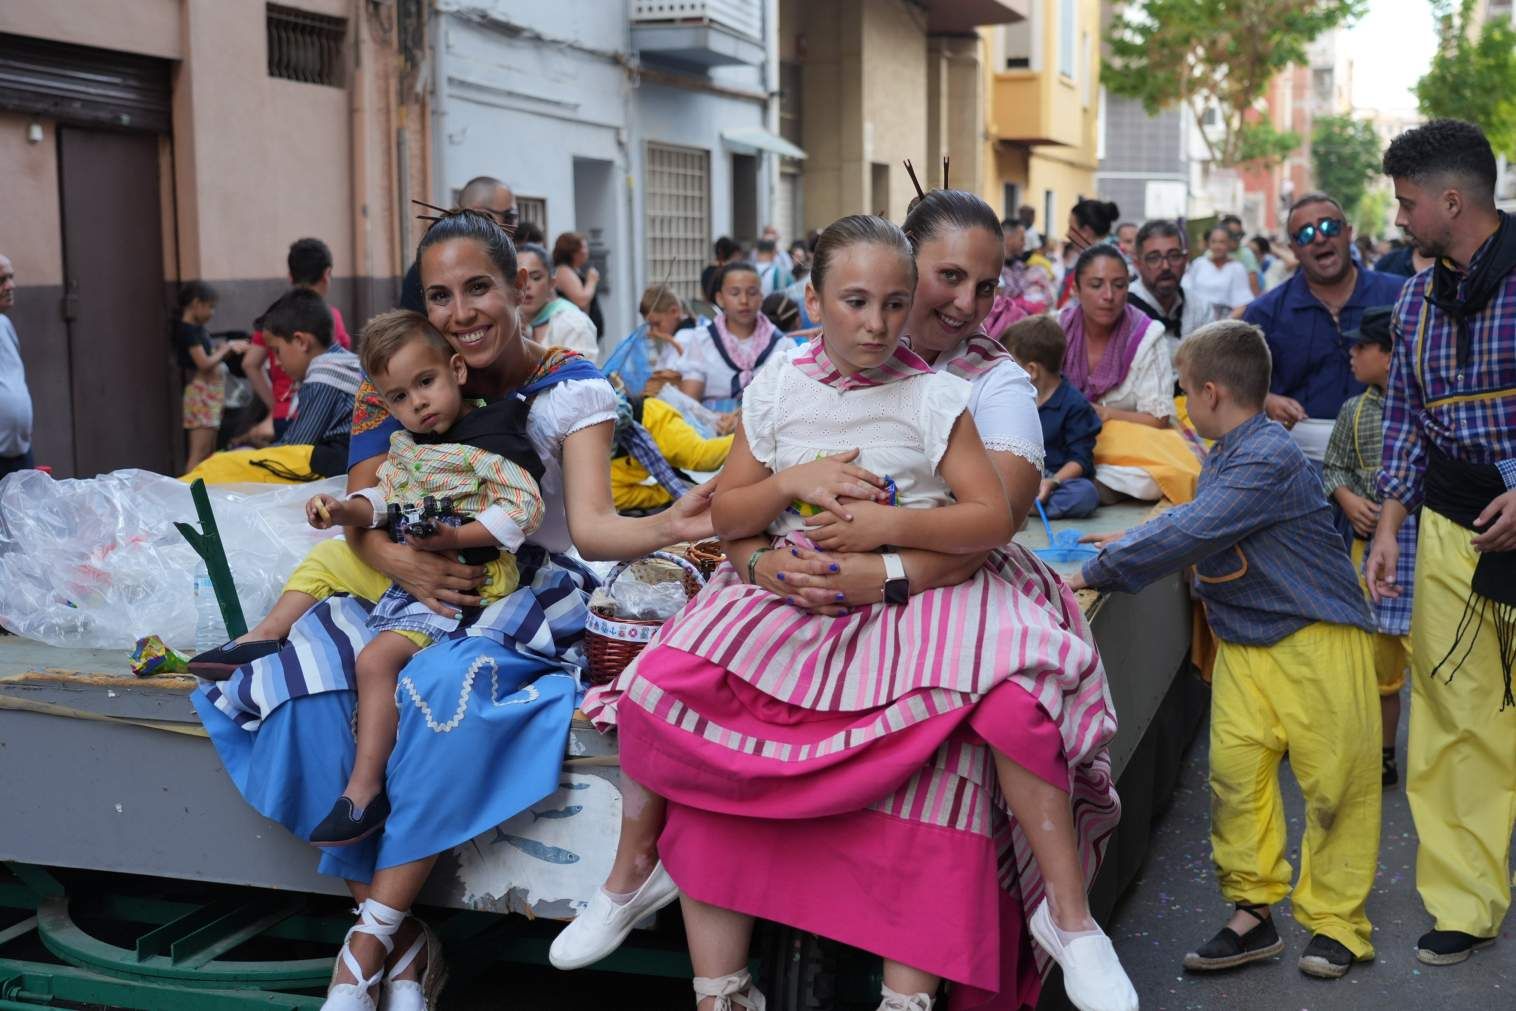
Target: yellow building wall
1041,103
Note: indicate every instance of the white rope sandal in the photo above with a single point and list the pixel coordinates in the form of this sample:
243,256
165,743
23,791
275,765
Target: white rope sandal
380,922
894,1001
732,992
410,994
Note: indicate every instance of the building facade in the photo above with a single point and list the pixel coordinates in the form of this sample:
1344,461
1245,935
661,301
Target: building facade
1044,107
165,140
649,127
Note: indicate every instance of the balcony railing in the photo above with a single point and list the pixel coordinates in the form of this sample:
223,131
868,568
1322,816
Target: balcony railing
699,33
744,17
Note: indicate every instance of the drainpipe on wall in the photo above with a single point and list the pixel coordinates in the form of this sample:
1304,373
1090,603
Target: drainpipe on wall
771,104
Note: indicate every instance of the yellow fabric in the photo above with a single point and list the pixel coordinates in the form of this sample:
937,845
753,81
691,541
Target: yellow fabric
1162,452
1392,653
1182,418
1311,694
1461,763
421,639
332,567
236,466
681,446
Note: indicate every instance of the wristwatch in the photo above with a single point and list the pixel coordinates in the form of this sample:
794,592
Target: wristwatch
897,588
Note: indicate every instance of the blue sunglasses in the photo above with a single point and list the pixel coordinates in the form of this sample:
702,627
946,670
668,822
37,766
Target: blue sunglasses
1330,227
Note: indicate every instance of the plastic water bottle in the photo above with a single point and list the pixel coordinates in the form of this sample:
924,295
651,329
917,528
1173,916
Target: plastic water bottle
210,630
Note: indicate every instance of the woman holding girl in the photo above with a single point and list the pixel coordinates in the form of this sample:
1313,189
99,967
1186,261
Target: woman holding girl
555,321
282,723
743,667
1117,357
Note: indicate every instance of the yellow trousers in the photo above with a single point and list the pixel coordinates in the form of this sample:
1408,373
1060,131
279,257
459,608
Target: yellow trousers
332,567
1461,763
1311,694
1392,653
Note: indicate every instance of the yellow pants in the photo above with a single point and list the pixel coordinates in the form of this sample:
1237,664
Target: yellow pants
1311,694
1461,763
1392,653
332,567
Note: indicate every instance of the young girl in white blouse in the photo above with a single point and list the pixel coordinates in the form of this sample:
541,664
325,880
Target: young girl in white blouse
811,751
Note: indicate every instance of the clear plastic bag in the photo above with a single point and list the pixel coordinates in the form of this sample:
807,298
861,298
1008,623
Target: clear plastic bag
97,563
701,418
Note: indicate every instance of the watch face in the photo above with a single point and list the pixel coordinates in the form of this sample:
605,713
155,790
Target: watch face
897,591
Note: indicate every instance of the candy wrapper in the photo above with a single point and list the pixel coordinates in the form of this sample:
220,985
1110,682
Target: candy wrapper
152,658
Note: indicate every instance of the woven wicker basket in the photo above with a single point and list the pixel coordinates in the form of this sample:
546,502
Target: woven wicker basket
707,556
610,643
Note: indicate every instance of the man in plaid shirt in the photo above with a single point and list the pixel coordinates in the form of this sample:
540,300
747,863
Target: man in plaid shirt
1294,666
1450,450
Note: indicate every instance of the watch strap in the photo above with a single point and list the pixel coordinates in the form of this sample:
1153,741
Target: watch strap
894,567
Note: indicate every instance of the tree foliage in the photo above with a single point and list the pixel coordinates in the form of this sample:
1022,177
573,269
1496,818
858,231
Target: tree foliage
1473,77
1218,54
1345,154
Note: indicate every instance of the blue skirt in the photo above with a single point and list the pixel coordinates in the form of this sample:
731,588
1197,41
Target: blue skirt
484,721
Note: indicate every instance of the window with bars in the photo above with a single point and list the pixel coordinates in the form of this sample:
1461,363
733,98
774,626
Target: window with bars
306,47
678,203
534,210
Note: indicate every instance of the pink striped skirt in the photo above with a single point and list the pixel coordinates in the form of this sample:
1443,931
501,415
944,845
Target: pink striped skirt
837,775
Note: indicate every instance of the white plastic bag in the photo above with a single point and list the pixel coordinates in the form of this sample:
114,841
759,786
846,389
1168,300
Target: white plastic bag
98,563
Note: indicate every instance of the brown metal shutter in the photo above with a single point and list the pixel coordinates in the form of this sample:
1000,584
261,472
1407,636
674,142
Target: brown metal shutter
83,85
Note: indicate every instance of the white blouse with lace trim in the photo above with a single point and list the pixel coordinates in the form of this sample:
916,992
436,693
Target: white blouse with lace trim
901,429
1149,383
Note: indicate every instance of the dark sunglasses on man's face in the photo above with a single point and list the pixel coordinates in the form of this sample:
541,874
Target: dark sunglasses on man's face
1329,227
1174,258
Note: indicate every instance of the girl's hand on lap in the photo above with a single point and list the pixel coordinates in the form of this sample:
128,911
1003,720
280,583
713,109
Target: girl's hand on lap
869,529
823,482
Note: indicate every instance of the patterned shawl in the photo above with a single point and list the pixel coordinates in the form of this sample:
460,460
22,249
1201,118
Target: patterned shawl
817,364
744,354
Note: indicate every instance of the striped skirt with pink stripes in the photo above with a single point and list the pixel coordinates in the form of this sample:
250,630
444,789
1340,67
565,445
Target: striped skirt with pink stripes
797,750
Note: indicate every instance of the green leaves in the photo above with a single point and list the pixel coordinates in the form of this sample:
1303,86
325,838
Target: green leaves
1473,77
1216,54
1345,155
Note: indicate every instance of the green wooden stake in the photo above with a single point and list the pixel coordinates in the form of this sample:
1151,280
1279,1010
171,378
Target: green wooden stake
208,546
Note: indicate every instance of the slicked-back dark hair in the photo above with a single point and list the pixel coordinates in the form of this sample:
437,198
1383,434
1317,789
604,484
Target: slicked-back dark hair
1442,146
939,211
856,229
481,228
298,310
1096,215
1093,253
308,259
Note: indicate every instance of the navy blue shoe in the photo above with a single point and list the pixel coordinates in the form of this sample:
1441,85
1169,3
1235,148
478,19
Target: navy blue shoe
219,663
346,825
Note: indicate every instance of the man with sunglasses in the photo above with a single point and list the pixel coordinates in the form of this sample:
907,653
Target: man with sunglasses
1450,452
1305,318
481,193
1161,260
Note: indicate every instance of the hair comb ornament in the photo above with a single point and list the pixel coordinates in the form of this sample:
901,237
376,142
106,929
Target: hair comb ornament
911,171
453,212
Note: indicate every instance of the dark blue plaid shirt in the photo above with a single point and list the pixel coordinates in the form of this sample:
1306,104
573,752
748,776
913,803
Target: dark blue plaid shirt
1268,561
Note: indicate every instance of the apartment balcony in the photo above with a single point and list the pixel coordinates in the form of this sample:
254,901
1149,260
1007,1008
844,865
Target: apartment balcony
961,17
699,33
1037,107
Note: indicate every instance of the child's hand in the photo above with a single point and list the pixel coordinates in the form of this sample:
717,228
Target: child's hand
324,512
726,424
443,538
822,482
1363,514
870,528
1046,489
237,347
1101,540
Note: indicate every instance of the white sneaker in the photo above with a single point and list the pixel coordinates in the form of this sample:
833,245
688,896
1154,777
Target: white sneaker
603,925
1093,977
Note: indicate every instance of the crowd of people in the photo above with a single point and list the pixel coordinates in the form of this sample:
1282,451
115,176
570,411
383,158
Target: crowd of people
885,404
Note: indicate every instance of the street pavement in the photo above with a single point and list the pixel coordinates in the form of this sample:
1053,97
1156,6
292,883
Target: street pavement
1175,905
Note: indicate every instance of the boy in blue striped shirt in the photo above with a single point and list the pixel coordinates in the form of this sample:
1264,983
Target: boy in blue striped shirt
1294,668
